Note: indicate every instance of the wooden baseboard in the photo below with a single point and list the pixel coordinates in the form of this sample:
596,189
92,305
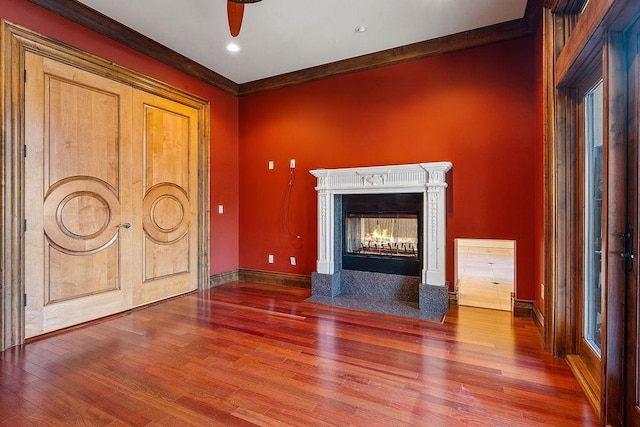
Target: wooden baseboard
538,318
522,308
286,279
224,277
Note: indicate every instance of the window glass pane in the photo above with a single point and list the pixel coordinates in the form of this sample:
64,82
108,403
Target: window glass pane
593,217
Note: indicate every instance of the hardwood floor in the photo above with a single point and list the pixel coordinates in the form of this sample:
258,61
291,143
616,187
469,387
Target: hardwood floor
254,354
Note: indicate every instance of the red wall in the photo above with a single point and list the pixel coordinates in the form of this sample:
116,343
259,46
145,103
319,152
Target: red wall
475,108
224,115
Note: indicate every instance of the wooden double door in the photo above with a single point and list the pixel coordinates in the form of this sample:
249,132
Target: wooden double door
110,196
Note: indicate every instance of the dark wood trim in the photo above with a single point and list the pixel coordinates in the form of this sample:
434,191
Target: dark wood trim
552,5
538,318
11,153
615,214
270,277
550,178
589,32
581,47
564,238
522,308
448,44
102,24
108,27
631,415
565,6
218,279
532,14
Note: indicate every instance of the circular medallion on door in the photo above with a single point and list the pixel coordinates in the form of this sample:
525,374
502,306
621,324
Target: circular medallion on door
81,215
166,213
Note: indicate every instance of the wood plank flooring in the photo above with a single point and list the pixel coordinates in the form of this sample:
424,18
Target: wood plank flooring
254,354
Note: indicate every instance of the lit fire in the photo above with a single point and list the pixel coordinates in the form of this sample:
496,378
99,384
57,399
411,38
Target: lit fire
381,235
381,242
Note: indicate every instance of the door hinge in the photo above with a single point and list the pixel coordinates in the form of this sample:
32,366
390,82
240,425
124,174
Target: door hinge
24,150
25,76
25,299
628,254
24,225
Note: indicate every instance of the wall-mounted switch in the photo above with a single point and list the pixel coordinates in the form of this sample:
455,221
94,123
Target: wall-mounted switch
220,209
270,164
292,163
293,260
270,259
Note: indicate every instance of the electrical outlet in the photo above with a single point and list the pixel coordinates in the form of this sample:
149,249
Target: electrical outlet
292,163
293,260
270,164
220,209
270,259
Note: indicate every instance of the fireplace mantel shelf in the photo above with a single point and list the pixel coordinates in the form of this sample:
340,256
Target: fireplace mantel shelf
382,179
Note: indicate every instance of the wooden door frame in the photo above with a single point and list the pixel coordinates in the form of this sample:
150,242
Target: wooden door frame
630,367
573,41
15,41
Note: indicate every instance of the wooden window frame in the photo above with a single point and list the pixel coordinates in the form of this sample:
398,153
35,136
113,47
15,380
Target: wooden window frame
573,42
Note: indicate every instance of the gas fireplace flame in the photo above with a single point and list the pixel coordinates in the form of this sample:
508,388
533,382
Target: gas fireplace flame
381,235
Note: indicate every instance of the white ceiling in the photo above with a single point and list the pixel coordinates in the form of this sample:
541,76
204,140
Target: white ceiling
281,36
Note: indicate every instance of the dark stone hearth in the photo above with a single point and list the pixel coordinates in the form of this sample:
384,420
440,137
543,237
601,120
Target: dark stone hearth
380,285
397,308
325,285
380,292
434,298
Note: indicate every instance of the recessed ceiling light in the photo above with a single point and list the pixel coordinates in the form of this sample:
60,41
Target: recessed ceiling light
232,47
360,29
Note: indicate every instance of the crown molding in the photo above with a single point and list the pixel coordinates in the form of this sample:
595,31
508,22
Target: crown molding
108,27
474,38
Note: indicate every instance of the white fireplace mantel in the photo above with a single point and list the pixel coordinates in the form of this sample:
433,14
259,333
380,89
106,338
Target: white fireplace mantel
426,178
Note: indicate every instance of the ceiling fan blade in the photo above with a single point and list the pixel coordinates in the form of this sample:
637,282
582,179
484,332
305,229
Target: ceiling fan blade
235,12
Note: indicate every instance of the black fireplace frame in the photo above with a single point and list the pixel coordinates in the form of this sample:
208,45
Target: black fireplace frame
383,204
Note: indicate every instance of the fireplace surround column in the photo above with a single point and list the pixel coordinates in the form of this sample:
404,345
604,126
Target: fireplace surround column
426,178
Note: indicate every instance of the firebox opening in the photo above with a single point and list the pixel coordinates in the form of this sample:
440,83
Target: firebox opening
382,233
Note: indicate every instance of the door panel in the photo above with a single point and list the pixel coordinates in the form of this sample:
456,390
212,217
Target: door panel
169,134
77,255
